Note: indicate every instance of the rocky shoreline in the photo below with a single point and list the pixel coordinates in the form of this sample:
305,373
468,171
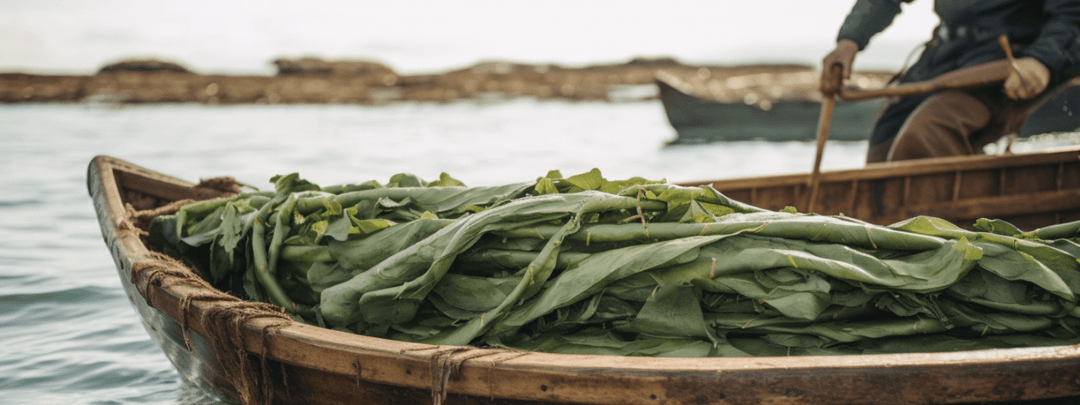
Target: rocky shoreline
314,81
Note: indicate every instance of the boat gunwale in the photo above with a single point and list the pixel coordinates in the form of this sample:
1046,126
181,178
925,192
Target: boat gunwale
885,170
583,378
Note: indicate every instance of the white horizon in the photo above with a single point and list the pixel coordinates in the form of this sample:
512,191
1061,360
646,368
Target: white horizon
424,36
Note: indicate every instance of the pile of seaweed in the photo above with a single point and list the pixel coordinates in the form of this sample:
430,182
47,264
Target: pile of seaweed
581,264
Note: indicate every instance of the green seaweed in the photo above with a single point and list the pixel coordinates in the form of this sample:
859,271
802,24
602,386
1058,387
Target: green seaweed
635,267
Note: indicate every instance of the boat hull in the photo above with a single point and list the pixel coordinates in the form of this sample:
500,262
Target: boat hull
298,363
699,120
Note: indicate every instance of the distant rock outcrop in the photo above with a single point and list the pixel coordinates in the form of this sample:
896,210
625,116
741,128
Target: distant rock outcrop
143,65
325,67
312,80
507,68
658,61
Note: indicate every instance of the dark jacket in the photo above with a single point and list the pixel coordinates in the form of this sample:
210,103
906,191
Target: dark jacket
1048,30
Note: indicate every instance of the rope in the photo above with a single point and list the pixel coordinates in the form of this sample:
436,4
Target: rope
445,365
223,323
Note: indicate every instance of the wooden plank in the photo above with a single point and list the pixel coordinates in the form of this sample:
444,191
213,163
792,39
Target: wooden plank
906,168
997,207
956,186
164,189
854,199
1059,179
958,189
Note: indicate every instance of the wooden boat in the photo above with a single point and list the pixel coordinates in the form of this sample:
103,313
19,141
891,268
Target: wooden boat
698,118
250,353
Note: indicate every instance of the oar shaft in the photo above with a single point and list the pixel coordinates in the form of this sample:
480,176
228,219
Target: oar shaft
829,88
975,76
824,122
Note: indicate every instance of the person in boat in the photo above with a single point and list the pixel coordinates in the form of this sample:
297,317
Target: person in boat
1045,38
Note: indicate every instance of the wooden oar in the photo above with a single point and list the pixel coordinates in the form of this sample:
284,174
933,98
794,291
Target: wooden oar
829,89
975,76
1003,41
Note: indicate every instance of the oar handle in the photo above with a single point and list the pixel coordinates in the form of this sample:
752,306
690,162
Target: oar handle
833,81
1003,41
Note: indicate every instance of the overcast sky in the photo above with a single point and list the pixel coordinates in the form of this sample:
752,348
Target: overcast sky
243,36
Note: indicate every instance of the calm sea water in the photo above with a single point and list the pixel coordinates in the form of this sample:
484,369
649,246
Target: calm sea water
69,335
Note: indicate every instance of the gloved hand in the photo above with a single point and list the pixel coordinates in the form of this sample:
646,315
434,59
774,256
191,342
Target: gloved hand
1028,79
843,55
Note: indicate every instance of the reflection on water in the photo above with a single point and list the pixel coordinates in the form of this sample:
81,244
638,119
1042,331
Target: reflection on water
71,336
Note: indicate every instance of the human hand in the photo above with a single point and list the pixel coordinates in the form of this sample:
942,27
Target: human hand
1028,78
843,55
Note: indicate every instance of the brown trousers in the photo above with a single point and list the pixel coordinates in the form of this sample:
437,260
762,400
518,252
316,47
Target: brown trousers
941,125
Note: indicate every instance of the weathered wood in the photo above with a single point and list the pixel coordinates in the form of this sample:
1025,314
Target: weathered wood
1036,190
311,365
165,188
